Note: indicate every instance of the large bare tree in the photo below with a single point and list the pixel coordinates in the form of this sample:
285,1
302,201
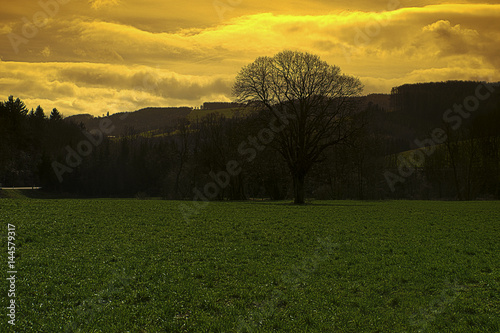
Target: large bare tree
314,96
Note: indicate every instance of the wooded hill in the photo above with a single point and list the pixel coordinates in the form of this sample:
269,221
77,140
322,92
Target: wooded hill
189,146
164,120
144,120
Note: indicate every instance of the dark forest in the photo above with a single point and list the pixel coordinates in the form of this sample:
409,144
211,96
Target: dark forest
416,143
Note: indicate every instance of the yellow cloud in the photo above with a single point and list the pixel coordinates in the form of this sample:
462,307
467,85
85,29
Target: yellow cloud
5,29
93,88
130,66
46,52
451,39
97,4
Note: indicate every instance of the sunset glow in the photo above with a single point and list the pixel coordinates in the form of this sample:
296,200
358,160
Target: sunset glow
112,56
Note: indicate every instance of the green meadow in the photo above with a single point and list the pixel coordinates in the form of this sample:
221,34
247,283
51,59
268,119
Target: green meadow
331,266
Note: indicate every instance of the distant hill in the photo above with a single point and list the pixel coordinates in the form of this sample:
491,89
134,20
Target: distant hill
143,120
382,100
80,118
165,119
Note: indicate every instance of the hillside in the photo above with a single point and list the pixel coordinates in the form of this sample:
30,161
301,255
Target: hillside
382,100
165,119
138,121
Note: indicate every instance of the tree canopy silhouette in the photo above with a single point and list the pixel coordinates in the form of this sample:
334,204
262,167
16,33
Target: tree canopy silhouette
314,95
55,115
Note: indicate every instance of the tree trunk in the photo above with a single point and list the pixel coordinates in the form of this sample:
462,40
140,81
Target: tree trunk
298,189
177,178
451,153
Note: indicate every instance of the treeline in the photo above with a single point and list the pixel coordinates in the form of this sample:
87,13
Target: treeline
460,120
29,141
224,158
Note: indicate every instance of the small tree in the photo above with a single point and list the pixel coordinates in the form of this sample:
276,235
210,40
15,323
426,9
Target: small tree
55,115
39,113
14,108
315,97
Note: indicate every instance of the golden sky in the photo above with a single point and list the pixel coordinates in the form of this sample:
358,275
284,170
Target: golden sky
95,56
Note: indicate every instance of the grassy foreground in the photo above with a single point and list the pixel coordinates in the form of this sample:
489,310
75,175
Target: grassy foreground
137,266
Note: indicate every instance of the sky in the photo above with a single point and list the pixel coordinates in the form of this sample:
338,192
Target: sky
99,56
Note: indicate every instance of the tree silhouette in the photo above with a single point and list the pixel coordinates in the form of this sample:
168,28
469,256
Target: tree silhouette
55,115
14,110
309,98
39,113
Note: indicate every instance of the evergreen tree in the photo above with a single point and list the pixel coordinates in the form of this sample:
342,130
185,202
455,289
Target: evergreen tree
15,107
55,115
39,114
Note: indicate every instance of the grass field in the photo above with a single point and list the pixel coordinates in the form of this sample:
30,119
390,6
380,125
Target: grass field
342,266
